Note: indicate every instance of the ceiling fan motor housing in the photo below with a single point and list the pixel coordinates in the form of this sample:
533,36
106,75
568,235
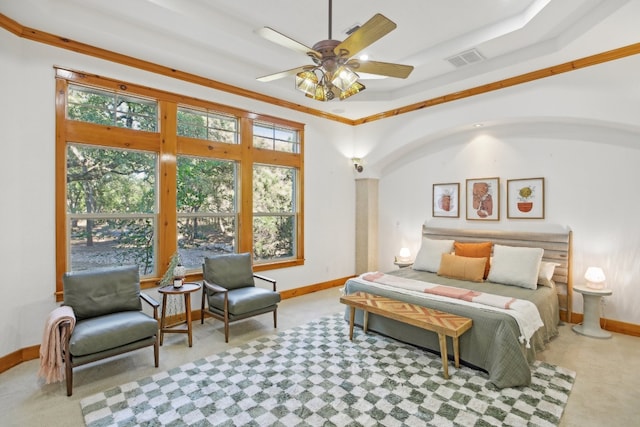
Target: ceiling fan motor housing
329,60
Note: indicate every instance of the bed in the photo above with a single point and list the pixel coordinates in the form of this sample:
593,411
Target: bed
496,343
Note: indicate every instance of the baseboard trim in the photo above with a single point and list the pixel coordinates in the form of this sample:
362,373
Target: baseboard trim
291,293
17,357
29,353
611,325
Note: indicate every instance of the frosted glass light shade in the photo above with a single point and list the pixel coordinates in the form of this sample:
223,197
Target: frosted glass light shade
404,253
595,278
404,256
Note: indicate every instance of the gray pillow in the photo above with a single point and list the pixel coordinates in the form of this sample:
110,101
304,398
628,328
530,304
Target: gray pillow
231,271
97,292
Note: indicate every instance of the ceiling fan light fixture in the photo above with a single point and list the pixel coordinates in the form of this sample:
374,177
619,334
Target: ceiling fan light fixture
344,78
333,74
356,87
307,81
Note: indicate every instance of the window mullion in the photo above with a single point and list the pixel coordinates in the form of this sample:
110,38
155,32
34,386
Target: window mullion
62,257
167,213
245,225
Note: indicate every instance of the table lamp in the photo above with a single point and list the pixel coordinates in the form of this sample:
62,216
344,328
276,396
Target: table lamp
595,278
404,255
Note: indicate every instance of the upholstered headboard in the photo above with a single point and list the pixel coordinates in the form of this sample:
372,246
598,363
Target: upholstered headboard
556,245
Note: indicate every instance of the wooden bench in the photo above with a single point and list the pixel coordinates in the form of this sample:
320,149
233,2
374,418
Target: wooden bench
444,324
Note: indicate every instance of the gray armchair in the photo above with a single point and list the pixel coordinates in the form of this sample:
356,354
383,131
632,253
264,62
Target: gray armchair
230,293
109,318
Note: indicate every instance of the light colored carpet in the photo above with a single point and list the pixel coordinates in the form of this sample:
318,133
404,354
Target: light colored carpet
313,375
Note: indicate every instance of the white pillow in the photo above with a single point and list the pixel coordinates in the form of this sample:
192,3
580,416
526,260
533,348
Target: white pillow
545,274
430,254
515,266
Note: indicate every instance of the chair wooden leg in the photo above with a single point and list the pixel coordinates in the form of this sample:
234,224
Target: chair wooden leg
202,306
275,318
69,374
156,352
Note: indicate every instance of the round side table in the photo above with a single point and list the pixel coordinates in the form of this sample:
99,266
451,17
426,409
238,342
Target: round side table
186,290
591,307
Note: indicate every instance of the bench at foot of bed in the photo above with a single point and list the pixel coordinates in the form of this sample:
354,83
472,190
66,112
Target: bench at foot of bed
444,324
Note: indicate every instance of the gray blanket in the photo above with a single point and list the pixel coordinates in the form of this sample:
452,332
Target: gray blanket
491,344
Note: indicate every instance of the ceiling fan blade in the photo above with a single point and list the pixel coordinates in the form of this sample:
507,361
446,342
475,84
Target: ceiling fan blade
279,38
381,68
371,31
286,73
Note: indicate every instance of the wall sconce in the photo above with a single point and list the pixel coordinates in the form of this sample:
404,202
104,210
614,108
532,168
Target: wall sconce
595,278
357,164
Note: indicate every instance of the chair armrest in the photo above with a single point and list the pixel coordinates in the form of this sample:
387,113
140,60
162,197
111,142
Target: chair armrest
266,279
152,302
213,287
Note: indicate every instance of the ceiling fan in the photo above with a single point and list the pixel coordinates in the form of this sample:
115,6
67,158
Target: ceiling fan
334,70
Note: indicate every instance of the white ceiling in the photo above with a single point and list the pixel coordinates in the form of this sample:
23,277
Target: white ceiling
217,39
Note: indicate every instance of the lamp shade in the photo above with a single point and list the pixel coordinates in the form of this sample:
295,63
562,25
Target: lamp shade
344,78
357,87
595,277
404,253
306,82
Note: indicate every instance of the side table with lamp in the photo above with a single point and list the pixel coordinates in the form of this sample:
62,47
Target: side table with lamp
592,293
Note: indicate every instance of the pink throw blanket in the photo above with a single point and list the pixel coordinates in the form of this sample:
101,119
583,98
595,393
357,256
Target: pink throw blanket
446,291
51,361
472,296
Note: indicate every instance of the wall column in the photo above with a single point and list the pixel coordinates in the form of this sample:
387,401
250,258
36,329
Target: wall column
366,225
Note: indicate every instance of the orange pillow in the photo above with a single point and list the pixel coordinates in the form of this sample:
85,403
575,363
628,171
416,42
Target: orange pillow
460,267
475,250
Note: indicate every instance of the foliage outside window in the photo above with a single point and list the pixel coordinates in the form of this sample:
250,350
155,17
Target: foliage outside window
207,125
271,137
207,208
111,200
274,221
126,197
111,109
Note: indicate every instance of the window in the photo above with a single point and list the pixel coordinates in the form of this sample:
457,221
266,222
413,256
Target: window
271,137
207,125
274,220
207,208
111,207
135,183
111,109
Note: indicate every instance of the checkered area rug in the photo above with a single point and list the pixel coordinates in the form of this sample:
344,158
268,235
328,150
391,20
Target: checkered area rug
313,375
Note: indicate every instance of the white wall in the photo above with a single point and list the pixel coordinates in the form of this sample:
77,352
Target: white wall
579,131
27,217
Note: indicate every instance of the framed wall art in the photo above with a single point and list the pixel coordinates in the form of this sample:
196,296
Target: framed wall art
483,199
446,200
525,198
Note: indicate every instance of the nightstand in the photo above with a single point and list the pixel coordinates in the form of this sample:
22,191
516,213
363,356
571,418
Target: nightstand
591,307
403,264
